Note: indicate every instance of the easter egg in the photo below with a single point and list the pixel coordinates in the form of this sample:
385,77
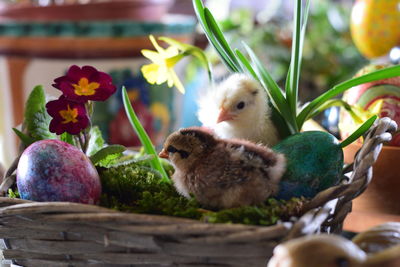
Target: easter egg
385,93
314,162
375,26
52,170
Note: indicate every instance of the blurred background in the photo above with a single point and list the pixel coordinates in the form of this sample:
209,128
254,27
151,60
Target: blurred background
40,39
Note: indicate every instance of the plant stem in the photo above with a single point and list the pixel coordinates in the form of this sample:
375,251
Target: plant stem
81,141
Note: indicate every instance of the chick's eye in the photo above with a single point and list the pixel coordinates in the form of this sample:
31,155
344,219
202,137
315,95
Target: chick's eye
184,154
171,149
240,105
342,262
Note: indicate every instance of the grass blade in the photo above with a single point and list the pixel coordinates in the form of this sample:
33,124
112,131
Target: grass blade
144,138
359,132
389,72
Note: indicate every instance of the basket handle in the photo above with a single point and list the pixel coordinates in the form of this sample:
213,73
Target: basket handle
327,210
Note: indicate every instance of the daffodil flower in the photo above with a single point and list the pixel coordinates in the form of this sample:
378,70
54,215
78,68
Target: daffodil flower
162,68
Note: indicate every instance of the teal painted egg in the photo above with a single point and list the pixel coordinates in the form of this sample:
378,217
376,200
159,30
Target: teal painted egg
314,163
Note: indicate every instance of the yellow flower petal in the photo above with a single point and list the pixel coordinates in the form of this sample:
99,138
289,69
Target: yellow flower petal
171,52
162,74
150,72
178,84
150,54
156,45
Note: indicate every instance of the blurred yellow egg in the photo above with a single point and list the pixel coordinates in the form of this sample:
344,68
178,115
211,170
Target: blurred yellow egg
375,26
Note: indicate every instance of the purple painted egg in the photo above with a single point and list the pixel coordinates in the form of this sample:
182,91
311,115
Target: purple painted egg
52,170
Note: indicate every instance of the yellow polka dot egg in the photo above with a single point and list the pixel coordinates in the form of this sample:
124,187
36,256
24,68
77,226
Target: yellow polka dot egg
375,26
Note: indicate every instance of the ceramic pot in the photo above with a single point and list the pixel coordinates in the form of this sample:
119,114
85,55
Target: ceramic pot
383,193
139,10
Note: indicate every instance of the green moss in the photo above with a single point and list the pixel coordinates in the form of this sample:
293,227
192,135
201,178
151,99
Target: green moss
136,188
13,193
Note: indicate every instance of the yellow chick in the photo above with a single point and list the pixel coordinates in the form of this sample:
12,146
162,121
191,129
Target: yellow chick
222,173
238,108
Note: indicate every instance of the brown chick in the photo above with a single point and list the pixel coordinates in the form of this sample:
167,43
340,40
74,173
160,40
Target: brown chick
222,173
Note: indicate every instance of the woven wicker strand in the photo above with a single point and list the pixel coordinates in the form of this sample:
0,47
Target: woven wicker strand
70,234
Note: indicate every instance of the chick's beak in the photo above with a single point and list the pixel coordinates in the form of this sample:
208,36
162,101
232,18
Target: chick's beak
163,154
224,115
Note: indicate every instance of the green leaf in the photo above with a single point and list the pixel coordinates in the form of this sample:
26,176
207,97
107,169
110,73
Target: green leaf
200,13
68,138
245,64
292,90
335,103
107,152
219,36
143,137
96,141
277,119
126,160
275,93
36,118
25,139
389,72
280,123
359,132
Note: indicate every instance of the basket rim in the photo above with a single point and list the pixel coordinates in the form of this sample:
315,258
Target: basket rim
356,185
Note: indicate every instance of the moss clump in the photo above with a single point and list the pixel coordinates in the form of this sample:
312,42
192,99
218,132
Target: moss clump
137,188
268,213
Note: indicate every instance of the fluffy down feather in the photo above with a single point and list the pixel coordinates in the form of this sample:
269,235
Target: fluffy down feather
238,108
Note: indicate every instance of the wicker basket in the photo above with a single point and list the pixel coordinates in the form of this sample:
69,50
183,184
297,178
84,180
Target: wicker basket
69,234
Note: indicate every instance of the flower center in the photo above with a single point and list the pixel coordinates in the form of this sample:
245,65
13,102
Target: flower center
85,88
69,115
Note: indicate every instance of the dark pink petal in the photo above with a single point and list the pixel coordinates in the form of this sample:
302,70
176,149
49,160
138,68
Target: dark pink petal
57,126
75,74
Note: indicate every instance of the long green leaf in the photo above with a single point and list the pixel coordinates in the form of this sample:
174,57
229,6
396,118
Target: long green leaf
389,72
245,64
25,139
199,10
219,36
292,92
266,79
334,103
277,118
304,27
105,152
144,138
359,132
273,90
